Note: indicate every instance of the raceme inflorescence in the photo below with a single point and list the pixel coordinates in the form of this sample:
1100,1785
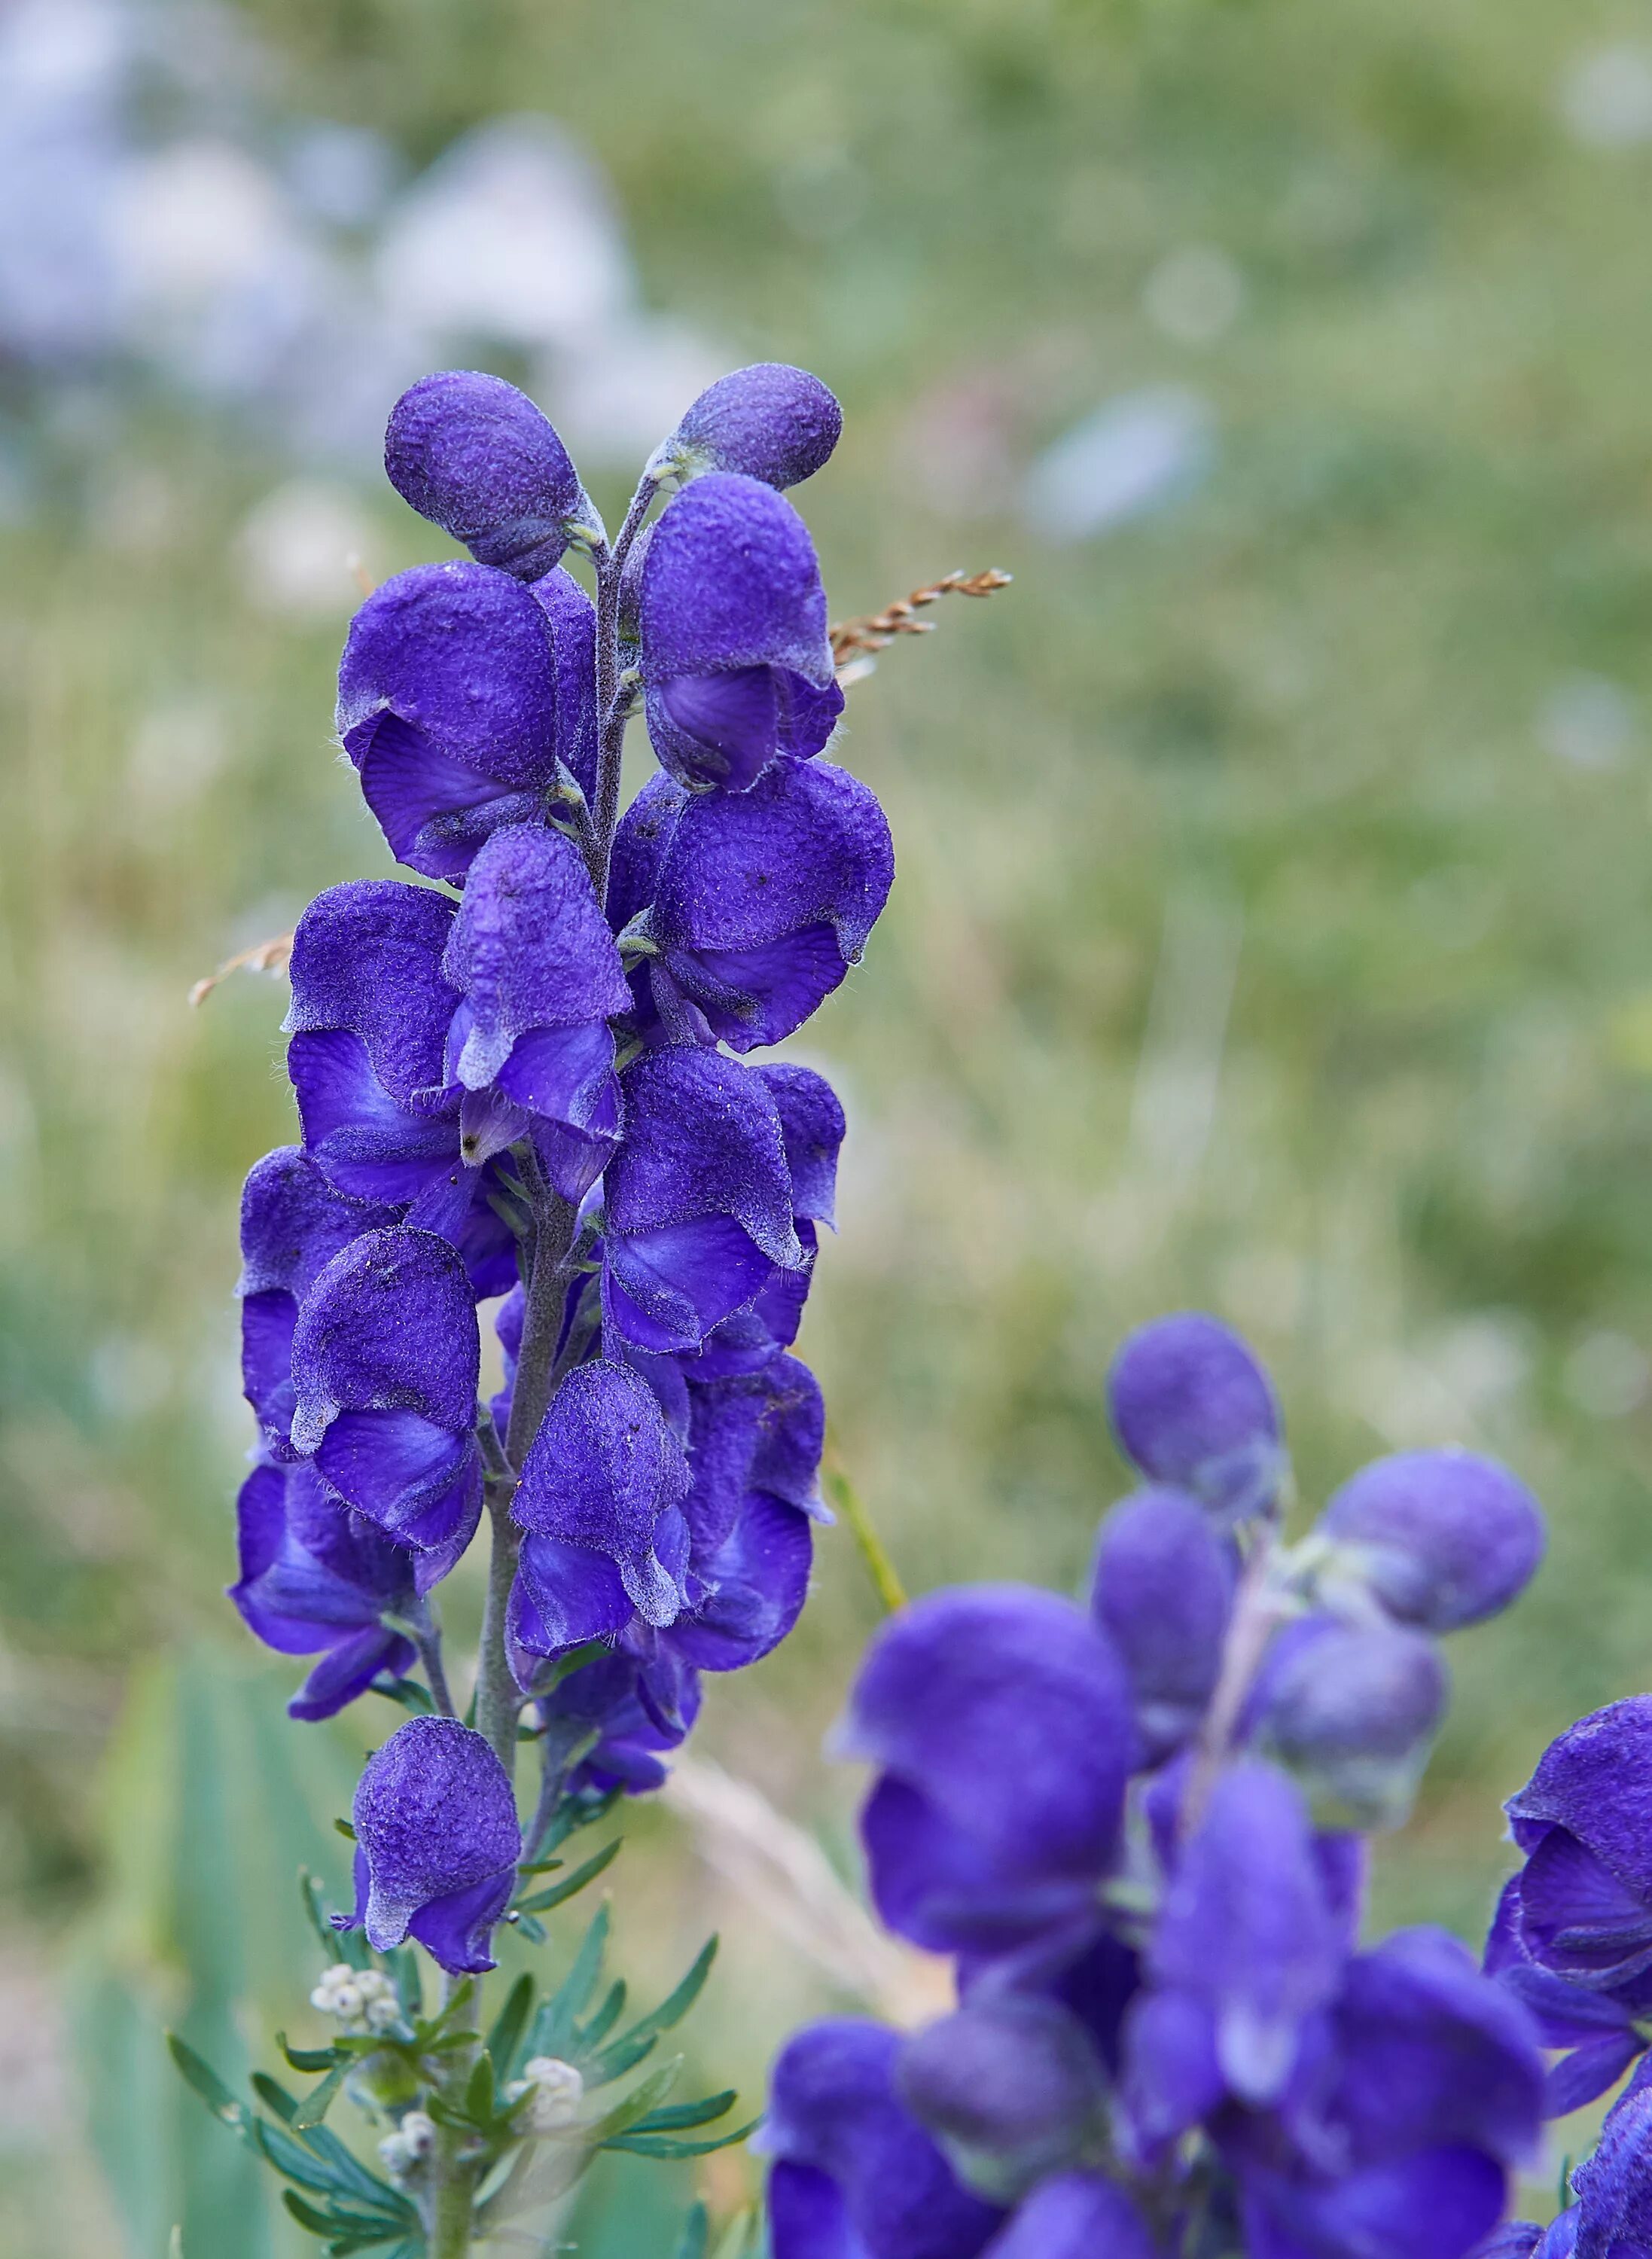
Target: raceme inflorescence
524,1078
1137,1824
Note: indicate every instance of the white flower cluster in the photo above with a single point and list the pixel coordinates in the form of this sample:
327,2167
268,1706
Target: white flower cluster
363,1999
405,2149
557,2091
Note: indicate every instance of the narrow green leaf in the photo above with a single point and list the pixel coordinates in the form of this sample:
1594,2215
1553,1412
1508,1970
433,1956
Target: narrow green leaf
347,2170
630,2047
544,1900
319,2100
285,2156
554,2025
573,1813
208,2085
345,1830
306,2058
309,1891
741,2237
606,2016
510,2025
660,2145
318,2223
479,2090
463,1994
531,1926
678,2115
407,1691
696,2235
643,2098
409,1986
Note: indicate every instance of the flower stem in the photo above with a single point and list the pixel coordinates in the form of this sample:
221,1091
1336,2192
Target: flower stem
452,2179
1257,1609
612,709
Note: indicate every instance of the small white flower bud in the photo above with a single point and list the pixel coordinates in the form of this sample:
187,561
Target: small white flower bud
557,2091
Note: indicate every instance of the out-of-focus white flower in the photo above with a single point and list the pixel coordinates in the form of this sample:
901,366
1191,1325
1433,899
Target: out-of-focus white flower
1195,294
553,2090
1605,96
1131,457
363,1999
342,173
302,550
617,391
1588,721
402,2152
1607,1375
512,235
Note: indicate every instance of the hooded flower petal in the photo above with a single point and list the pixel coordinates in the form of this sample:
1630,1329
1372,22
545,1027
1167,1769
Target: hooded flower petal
451,707
765,899
1613,2188
1443,1538
386,1356
736,664
1163,1590
1001,1719
1010,2085
606,1696
606,1478
436,1821
1075,2216
768,422
1192,1407
1351,1711
854,2176
477,458
367,958
698,1198
761,1432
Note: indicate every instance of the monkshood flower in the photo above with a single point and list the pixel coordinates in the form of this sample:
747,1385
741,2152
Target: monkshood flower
1000,1721
697,1201
760,901
1012,2087
1573,1934
1350,1710
317,1579
1161,1590
1613,2217
737,664
768,422
462,697
478,458
538,975
386,1356
1443,1538
1193,1409
437,1843
293,1224
615,1699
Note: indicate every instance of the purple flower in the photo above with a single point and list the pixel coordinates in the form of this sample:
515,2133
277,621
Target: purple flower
854,2176
762,899
1517,2238
386,1354
293,1224
1443,1538
1573,1934
476,457
1162,1591
1000,1721
1011,2087
316,1579
601,1498
1193,1407
458,693
1613,2188
1077,2216
1249,1945
736,662
539,974
768,422
438,1843
619,1700
698,1200
1350,1711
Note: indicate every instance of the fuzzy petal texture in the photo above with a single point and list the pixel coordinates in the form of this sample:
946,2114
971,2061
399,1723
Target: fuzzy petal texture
1350,1711
367,958
1075,2216
764,1432
1010,2085
769,422
450,707
812,1131
1193,1407
765,899
1163,1590
477,458
388,1325
436,1821
1444,1538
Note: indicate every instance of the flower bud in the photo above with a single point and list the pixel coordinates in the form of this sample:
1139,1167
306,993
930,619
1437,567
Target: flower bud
770,422
1010,2086
1442,1538
1351,1710
476,457
1162,1592
1192,1407
552,2091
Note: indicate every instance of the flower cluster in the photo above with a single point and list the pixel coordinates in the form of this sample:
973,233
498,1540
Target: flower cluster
1136,1826
523,1079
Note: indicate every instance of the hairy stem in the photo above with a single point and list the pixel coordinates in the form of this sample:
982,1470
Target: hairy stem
498,1697
1256,1612
428,1640
451,2215
612,709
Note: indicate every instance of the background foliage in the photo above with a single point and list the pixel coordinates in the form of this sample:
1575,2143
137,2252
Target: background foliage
1272,929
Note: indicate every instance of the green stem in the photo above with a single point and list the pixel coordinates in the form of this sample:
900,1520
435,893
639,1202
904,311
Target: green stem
452,2179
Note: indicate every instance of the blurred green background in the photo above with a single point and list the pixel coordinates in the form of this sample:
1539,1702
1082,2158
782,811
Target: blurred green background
1273,929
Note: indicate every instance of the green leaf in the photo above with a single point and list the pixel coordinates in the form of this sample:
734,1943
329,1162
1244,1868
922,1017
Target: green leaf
409,1987
696,2235
407,1691
677,2115
464,1993
285,2156
509,2025
306,2058
606,2016
319,2100
310,1893
479,2090
741,2237
208,2085
660,2145
642,2098
554,2025
531,1926
347,2170
543,1902
630,2047
345,1830
573,1813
